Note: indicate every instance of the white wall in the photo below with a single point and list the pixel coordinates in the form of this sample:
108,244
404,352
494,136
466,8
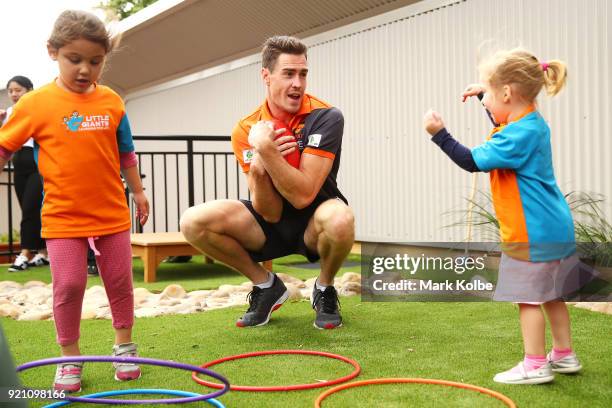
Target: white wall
385,72
4,205
5,101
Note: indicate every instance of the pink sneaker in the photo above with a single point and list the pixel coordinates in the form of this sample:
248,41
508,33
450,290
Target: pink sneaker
68,377
126,371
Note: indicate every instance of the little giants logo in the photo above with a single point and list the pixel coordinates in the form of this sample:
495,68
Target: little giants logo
78,122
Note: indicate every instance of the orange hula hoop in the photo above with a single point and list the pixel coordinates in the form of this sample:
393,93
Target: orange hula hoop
470,387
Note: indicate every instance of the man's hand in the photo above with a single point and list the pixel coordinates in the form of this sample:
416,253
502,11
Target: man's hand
432,122
263,132
286,144
472,90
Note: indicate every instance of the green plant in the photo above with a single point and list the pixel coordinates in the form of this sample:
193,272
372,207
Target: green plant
120,9
479,216
5,237
593,231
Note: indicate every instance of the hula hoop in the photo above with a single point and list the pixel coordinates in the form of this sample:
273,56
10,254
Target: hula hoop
139,360
470,387
320,384
212,401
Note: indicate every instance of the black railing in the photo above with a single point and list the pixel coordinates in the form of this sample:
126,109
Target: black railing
178,172
206,163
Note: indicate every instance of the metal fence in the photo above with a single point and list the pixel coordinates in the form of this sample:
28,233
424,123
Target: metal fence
178,172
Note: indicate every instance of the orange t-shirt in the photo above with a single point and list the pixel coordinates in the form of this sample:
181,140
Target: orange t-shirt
77,138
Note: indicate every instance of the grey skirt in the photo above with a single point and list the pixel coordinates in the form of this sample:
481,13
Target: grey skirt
538,282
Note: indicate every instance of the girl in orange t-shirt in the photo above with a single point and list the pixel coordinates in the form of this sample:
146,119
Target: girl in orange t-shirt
82,144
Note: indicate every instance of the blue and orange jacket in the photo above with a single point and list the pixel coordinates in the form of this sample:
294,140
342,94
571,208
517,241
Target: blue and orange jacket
533,214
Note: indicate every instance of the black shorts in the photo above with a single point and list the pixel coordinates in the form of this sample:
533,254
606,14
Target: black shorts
285,237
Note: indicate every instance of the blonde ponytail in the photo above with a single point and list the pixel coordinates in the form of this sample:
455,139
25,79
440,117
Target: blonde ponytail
555,76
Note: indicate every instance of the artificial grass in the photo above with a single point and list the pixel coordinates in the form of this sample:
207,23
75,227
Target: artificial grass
466,342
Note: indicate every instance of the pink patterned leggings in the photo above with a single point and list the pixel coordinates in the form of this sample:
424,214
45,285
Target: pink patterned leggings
68,257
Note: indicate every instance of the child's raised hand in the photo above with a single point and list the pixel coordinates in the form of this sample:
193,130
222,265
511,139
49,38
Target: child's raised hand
433,122
142,207
472,90
2,115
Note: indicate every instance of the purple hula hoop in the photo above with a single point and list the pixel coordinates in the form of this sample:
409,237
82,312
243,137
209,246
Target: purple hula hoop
139,360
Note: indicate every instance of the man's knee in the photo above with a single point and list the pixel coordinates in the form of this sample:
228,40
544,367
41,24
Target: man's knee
338,223
226,217
197,220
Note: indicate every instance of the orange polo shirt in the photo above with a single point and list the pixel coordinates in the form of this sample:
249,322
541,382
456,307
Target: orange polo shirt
318,129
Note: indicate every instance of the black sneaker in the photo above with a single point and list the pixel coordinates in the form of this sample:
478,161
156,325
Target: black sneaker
327,306
92,269
38,260
262,302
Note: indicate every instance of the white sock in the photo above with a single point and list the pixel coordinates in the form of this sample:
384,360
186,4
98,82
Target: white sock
267,284
321,287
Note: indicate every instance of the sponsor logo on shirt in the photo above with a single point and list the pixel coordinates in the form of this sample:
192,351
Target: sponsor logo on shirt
314,140
77,122
299,137
247,155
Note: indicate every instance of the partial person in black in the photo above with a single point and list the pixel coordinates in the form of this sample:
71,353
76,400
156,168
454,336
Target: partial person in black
29,189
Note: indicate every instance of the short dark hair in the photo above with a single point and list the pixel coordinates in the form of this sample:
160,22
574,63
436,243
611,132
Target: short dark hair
280,44
21,80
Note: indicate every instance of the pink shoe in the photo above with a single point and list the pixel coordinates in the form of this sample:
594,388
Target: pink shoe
68,377
126,371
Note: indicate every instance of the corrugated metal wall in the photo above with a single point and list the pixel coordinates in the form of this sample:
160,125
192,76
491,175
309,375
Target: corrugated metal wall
385,72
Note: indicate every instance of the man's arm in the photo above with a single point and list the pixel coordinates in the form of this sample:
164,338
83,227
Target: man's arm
301,186
266,200
298,186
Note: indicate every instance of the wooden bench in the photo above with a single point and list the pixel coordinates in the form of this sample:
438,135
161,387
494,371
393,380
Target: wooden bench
154,247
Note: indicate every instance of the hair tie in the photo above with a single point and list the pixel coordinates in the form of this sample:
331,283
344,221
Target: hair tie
544,66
